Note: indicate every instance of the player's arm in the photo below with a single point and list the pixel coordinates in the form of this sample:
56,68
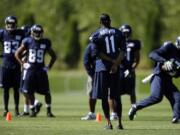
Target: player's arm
53,57
18,54
87,60
105,57
136,59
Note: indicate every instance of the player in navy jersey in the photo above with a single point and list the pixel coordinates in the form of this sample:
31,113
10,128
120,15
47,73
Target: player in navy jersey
89,64
11,38
110,47
128,65
161,81
38,105
36,79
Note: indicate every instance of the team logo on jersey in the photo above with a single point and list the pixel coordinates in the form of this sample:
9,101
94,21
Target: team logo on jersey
130,45
42,46
18,37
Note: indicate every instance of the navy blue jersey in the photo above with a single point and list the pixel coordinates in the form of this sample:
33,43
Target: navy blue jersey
108,41
164,53
36,51
11,42
89,59
131,47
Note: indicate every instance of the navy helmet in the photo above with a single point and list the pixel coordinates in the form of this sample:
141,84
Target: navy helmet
37,31
11,23
126,30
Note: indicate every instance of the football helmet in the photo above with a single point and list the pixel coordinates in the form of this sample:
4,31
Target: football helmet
178,42
26,29
105,19
37,31
126,30
11,23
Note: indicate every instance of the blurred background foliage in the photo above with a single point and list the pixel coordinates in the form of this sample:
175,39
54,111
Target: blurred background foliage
68,23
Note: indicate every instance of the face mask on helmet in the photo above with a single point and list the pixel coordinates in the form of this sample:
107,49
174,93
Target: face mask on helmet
37,32
126,30
10,23
178,42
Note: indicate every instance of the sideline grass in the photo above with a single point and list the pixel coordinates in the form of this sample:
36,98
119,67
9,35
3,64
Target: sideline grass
70,105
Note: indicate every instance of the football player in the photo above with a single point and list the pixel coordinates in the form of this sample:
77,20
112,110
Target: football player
110,47
161,82
11,38
128,66
89,64
36,78
38,105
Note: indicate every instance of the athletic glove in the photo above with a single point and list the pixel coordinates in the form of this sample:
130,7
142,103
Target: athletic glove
168,66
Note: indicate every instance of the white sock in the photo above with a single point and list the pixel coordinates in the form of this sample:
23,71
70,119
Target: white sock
36,102
31,106
113,113
26,108
48,105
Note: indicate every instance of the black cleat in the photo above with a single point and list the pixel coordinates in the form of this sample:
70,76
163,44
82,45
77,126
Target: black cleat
175,120
5,113
132,112
38,107
16,113
108,127
24,114
50,115
120,127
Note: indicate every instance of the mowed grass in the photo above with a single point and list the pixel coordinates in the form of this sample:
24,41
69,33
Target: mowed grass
70,103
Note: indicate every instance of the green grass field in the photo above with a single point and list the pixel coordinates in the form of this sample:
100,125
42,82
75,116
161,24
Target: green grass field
70,104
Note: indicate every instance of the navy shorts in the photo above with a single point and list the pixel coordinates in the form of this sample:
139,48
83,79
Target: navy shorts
105,85
35,80
127,84
10,77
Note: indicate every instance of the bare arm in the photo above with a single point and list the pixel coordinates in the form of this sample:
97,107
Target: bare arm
105,57
136,59
19,53
53,57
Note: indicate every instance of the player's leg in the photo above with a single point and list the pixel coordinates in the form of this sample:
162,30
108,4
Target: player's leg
173,95
16,101
154,98
91,102
114,94
43,84
6,100
132,85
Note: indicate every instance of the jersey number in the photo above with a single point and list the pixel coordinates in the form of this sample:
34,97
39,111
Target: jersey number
110,44
36,56
10,47
128,53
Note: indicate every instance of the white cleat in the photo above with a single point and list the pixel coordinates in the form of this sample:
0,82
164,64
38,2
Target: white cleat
89,116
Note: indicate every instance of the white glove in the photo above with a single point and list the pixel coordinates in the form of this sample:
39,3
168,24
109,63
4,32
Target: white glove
46,69
168,65
126,73
26,65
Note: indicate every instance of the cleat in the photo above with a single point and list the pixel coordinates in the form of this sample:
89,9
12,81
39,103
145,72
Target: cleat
89,116
132,112
38,107
16,113
108,127
5,113
120,127
50,115
24,114
175,120
114,117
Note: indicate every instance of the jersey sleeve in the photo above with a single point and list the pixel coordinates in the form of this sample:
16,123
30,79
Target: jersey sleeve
158,55
25,42
1,34
138,45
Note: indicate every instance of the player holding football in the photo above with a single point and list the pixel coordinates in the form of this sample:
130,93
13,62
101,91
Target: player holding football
161,82
11,38
89,64
110,47
36,79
